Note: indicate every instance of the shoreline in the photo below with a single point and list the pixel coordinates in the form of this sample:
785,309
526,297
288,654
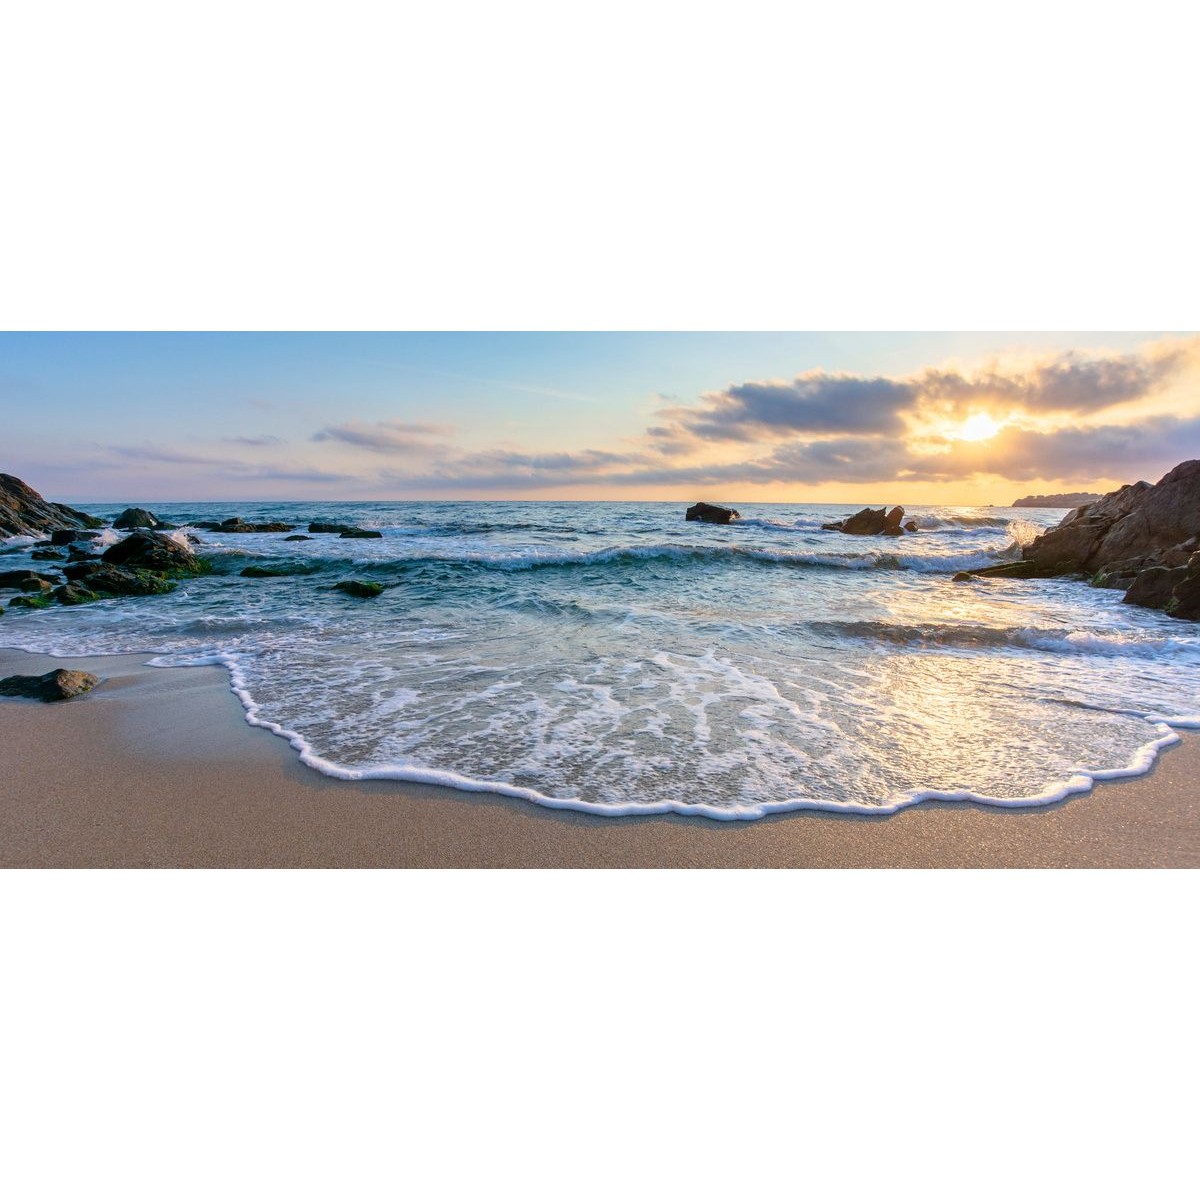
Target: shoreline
158,767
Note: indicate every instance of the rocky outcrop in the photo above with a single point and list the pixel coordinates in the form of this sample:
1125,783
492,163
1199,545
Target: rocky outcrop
27,581
23,511
54,685
75,593
68,537
360,533
237,525
106,580
356,587
872,521
712,514
137,518
1142,537
1058,500
150,551
298,537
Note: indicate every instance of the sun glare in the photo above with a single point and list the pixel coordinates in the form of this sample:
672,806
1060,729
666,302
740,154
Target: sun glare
977,428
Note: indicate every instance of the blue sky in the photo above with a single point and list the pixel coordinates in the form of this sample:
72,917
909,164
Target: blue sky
955,417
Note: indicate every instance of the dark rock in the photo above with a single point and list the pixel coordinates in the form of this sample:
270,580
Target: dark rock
871,521
74,593
298,537
79,554
54,685
1137,525
1185,600
356,587
911,526
360,533
64,537
29,602
1154,587
712,514
964,577
47,554
279,570
23,511
152,551
27,581
326,527
80,570
237,525
1012,570
122,581
136,518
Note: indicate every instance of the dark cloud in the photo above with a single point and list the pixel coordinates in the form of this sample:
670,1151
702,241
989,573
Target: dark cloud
820,404
814,403
383,437
1067,384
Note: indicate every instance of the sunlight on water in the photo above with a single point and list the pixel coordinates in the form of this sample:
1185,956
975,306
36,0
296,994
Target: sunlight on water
613,655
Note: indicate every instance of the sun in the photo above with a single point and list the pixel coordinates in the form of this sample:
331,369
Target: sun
977,428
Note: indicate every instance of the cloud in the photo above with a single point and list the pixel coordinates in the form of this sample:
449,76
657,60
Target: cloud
1067,384
165,454
264,440
384,437
812,403
819,404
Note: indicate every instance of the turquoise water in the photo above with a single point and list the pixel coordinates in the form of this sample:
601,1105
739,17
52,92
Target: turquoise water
612,656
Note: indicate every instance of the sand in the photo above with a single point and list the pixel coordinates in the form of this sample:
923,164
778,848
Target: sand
158,768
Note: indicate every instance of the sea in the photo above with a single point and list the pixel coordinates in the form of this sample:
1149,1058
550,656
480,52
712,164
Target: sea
617,659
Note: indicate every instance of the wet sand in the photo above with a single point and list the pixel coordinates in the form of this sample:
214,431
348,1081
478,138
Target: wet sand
158,768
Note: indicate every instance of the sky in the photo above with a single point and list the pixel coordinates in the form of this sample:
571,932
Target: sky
896,418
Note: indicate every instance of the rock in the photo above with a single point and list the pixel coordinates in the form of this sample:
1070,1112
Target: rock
27,581
326,527
1011,570
1135,525
64,537
80,570
47,554
151,551
911,526
54,685
29,602
712,514
122,581
237,525
280,570
136,518
74,593
356,587
1154,587
298,537
360,533
964,577
78,554
1185,600
1125,533
870,521
23,511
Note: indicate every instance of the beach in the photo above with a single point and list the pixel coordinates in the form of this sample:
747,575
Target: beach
157,767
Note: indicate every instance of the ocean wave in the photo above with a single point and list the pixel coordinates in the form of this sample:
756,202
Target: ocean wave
526,559
989,637
1077,782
